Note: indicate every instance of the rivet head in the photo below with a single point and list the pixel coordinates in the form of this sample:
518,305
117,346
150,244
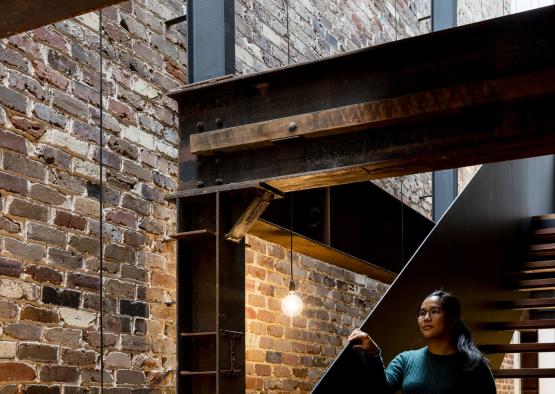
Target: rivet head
219,181
218,161
292,126
200,184
219,122
200,126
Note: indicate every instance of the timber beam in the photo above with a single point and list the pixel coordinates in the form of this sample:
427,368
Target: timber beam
475,94
19,16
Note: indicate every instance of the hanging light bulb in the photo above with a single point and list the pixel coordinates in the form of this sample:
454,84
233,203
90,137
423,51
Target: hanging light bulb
292,305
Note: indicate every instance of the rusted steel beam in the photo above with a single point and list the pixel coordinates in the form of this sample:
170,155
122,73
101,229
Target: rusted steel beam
474,94
18,16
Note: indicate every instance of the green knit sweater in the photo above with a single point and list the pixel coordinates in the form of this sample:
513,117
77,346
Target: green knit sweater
421,372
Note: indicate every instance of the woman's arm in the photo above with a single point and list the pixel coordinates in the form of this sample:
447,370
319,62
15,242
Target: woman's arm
387,380
482,381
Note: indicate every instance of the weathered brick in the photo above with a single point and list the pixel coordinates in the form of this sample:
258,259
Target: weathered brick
131,308
44,274
42,315
86,93
13,142
92,338
53,156
117,360
45,73
134,238
123,148
8,309
77,318
86,206
164,181
26,84
10,267
78,280
7,350
41,389
92,301
63,336
119,216
13,100
109,196
67,298
118,324
49,115
12,183
78,357
28,210
86,131
22,165
119,289
61,63
66,219
137,170
130,377
65,258
152,226
59,374
24,250
51,38
46,194
13,58
16,372
109,159
34,129
66,181
132,272
152,193
85,244
23,331
31,351
134,343
9,225
84,56
70,105
122,111
44,233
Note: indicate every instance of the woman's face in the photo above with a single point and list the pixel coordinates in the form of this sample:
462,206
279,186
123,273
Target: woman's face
431,319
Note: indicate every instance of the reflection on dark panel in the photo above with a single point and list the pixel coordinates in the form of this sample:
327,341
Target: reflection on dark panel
471,251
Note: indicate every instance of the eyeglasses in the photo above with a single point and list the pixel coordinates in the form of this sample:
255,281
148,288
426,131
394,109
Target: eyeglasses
434,313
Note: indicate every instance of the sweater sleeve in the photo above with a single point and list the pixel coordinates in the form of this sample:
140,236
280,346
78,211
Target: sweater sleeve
387,380
482,380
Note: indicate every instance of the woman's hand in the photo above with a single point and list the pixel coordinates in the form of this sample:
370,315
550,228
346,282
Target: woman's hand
363,341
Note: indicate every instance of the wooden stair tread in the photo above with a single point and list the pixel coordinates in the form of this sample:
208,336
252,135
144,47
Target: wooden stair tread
196,373
524,324
538,266
524,373
541,247
535,284
531,303
550,216
197,334
518,348
193,234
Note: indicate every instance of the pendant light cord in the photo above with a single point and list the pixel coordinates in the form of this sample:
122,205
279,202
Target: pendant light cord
101,211
292,283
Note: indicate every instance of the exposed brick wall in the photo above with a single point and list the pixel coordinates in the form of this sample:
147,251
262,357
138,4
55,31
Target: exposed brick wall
286,355
49,201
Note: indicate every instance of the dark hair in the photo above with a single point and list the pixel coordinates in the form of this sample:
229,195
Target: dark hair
463,338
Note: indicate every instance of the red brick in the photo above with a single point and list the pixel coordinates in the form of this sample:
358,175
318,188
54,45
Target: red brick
66,219
34,129
13,142
16,372
12,183
53,77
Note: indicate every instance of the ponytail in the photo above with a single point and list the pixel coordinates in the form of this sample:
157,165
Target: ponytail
461,334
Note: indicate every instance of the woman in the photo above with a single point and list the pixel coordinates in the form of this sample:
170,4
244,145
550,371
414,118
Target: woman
450,363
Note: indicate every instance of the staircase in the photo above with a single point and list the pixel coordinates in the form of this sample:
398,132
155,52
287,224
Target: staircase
536,278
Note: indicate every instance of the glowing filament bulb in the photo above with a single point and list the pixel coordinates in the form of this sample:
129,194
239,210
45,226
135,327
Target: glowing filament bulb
292,305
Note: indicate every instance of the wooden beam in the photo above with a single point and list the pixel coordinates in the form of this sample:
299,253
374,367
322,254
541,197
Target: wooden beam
374,113
308,247
18,16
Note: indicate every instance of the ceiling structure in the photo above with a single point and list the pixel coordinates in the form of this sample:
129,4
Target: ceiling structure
18,16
